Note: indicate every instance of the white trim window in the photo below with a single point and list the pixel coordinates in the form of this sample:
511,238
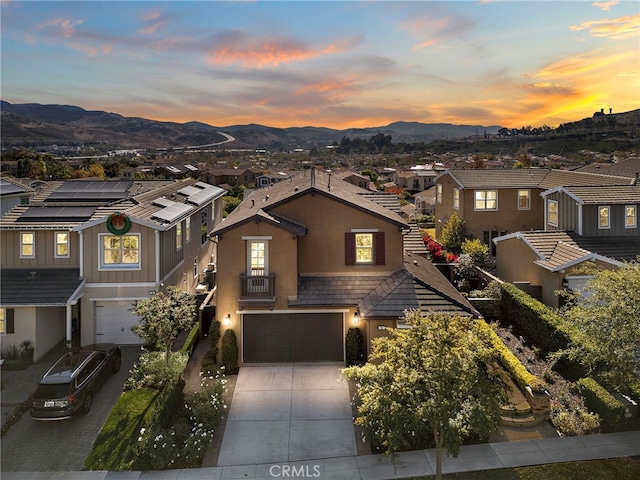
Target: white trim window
187,229
364,248
119,251
604,217
630,216
524,199
257,258
3,321
552,213
439,192
61,244
178,235
456,199
486,200
27,245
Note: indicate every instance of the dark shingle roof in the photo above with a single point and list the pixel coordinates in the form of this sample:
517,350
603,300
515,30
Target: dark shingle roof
606,194
31,286
531,178
419,285
628,167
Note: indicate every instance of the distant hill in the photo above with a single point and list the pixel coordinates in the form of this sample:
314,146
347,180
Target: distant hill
34,124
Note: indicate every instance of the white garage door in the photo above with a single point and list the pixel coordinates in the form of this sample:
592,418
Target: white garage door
114,321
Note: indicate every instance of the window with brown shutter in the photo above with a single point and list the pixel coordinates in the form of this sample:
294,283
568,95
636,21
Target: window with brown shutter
367,248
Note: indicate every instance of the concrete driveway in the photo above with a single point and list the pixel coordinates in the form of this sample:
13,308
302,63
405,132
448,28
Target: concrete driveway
288,413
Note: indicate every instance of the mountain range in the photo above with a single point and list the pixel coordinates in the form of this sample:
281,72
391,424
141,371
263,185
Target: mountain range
33,124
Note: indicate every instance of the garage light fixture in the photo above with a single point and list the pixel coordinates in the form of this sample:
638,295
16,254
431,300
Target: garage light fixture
227,320
356,317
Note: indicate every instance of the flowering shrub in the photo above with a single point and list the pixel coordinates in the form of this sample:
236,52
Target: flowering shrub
183,443
154,372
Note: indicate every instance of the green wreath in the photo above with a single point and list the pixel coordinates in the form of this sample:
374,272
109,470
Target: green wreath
118,218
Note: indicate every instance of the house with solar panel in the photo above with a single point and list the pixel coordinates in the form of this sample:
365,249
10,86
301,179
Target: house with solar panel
304,260
81,252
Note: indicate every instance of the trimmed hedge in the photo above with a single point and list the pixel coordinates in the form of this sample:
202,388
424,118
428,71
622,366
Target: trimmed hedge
598,399
191,341
538,322
510,362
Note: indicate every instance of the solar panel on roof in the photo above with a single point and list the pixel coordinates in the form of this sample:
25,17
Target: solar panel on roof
203,196
7,188
162,202
187,191
84,196
173,169
203,185
172,212
57,214
191,167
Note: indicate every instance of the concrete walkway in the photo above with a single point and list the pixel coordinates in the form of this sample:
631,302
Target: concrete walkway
472,458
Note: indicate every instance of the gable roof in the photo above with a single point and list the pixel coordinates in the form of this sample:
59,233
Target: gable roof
628,167
530,178
261,201
601,195
557,250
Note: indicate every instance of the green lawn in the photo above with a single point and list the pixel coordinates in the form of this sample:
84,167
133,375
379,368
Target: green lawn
614,469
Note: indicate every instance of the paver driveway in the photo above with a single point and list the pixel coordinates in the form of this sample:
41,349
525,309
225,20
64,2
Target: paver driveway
288,413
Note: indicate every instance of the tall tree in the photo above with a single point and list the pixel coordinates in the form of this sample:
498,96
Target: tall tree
164,316
606,317
434,379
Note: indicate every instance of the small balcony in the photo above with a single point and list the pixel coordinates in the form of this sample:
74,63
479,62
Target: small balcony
257,291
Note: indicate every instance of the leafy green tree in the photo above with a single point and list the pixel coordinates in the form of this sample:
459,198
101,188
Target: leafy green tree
454,232
163,317
478,251
434,380
606,317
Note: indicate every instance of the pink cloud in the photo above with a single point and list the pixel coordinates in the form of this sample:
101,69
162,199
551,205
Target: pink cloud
618,29
433,29
605,5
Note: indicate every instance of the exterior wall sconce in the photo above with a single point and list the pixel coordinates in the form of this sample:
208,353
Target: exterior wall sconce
227,320
565,283
356,318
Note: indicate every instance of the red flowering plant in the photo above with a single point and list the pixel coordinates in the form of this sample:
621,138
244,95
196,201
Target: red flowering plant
435,249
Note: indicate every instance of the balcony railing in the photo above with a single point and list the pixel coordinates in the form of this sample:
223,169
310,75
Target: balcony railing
257,286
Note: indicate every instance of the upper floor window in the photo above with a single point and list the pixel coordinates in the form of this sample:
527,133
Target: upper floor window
364,248
27,245
257,257
439,193
62,244
187,230
120,251
7,323
204,229
630,216
524,199
604,217
456,198
416,183
552,212
178,236
486,199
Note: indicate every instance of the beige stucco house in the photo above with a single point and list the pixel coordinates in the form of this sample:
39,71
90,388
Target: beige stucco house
82,252
301,262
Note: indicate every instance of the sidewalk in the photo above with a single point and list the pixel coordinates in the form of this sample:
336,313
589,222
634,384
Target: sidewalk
472,458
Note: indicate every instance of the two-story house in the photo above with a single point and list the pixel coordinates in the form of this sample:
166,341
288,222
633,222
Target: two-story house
76,259
596,224
493,203
302,261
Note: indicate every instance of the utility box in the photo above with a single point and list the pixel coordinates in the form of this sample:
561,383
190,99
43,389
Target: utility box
630,406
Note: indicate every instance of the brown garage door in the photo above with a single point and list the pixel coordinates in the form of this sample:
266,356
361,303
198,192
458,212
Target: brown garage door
293,337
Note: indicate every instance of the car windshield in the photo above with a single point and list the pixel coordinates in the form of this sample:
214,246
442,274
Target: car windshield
56,390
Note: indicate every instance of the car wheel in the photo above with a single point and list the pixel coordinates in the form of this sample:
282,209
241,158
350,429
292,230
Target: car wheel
86,403
117,361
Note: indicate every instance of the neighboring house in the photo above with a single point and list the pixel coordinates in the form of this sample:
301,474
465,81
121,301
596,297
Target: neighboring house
582,224
493,203
13,193
356,179
628,167
425,202
76,259
268,179
301,262
173,172
233,176
415,180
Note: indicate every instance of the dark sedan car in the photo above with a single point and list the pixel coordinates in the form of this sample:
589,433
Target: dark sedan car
69,385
